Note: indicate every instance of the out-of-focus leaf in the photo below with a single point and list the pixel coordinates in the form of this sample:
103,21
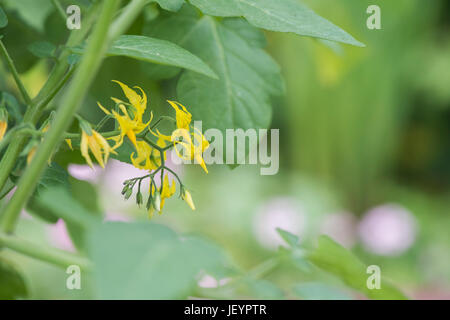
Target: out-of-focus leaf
146,261
12,283
290,238
54,177
60,203
42,49
263,289
3,18
33,12
280,15
157,51
86,195
335,259
12,105
319,291
171,5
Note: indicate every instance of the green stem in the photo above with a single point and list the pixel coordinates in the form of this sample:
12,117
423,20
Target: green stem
15,74
122,23
51,255
89,65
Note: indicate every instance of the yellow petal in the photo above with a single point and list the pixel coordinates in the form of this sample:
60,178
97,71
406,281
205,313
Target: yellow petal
131,95
84,149
3,127
69,143
188,198
103,108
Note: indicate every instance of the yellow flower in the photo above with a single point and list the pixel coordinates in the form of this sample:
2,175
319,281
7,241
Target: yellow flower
183,116
188,148
188,198
98,146
3,127
147,158
188,145
130,123
167,190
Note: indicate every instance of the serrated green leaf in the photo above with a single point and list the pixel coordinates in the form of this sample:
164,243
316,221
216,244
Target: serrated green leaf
248,78
280,16
158,51
335,259
12,283
153,262
319,291
42,49
3,18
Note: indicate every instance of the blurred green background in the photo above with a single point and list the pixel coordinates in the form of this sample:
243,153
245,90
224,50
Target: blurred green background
364,152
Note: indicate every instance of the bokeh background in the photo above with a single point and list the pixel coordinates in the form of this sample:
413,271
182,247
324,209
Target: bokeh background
364,152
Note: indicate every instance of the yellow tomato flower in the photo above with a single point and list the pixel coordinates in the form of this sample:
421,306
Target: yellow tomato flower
188,145
147,158
130,123
188,148
98,146
167,190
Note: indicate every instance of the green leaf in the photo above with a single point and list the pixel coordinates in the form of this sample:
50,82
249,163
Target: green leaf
248,78
12,105
290,238
171,5
54,177
42,49
12,283
319,291
147,261
263,289
279,15
335,259
3,18
33,12
158,51
85,194
61,204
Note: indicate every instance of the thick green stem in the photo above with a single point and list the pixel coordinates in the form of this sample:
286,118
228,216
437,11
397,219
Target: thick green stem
54,256
14,73
89,65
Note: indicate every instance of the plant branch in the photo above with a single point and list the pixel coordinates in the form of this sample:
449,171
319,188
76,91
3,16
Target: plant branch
51,255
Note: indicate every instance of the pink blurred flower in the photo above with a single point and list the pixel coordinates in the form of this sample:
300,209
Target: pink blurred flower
207,281
113,216
59,237
283,213
341,227
84,172
388,230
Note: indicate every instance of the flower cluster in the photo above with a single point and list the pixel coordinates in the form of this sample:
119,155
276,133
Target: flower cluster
150,146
